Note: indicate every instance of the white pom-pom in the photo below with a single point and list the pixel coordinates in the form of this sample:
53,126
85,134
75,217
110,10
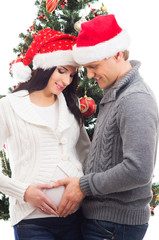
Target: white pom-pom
21,72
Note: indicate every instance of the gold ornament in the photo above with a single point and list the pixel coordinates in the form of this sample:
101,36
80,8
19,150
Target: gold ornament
103,8
157,197
77,25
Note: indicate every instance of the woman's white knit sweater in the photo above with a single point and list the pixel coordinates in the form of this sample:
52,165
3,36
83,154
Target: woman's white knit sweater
35,149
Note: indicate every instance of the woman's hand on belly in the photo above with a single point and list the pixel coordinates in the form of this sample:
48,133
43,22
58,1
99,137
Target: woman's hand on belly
37,198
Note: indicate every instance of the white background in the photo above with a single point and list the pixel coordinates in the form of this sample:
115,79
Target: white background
139,17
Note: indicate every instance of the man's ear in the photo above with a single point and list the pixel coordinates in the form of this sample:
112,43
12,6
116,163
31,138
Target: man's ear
119,56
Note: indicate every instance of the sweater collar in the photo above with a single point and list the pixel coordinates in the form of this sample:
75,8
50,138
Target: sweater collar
111,93
20,102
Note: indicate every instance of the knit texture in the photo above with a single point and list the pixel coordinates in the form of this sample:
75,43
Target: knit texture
35,149
119,168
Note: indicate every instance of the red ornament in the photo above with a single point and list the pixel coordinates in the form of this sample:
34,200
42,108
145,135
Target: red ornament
32,28
51,5
34,35
88,106
41,16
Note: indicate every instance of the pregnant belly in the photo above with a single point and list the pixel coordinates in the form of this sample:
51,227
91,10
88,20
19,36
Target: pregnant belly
55,194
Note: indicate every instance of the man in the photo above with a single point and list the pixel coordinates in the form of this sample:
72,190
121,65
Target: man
116,187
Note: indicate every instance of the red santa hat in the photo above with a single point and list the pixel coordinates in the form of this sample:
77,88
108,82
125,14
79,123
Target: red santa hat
100,38
49,49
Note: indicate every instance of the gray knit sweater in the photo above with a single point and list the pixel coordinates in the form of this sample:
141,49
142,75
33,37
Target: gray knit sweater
119,168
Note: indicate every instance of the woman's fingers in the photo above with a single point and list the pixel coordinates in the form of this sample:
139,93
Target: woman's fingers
46,208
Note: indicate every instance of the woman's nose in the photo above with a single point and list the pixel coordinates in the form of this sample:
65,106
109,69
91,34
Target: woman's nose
67,80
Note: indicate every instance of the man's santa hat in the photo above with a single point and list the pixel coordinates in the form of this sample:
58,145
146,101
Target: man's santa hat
49,49
100,38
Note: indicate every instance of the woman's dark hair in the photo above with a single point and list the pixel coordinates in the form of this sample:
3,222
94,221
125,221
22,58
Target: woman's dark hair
39,81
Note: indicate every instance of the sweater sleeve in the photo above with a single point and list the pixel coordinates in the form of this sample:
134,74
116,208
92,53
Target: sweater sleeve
137,120
8,185
12,187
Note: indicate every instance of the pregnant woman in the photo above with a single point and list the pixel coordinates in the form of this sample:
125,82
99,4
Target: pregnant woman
42,127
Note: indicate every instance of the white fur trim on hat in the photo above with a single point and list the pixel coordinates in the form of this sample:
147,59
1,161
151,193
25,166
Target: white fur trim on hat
84,55
21,72
52,59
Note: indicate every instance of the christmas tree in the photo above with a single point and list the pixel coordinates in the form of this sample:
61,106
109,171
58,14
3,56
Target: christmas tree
4,200
65,16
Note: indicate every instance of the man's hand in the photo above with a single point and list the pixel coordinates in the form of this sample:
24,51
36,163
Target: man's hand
72,196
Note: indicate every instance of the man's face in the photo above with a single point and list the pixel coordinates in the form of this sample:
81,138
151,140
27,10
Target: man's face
105,72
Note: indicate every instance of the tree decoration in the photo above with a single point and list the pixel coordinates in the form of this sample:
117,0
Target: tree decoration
77,25
103,8
51,5
63,2
155,199
62,6
4,200
88,106
34,35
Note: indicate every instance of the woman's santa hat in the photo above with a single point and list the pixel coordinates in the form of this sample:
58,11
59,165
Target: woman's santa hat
49,49
100,38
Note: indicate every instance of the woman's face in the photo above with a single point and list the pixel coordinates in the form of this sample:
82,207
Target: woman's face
60,79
